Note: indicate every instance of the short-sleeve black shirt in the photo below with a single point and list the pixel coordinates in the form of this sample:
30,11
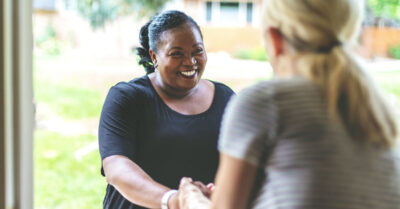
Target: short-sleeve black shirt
167,145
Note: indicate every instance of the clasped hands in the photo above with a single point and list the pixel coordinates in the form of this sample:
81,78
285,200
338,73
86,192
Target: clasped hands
194,194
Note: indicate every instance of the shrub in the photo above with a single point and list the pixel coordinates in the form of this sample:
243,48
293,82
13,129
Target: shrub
48,42
395,51
257,53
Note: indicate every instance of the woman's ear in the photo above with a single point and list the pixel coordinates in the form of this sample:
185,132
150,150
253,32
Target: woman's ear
277,41
153,57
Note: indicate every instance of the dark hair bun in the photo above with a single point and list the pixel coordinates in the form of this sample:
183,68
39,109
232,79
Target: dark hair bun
143,51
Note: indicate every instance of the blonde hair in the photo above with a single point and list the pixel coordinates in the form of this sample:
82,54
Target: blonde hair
320,31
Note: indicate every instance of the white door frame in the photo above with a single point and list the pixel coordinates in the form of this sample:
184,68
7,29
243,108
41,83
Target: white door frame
16,108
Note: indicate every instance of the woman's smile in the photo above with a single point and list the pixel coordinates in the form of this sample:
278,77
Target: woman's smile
190,74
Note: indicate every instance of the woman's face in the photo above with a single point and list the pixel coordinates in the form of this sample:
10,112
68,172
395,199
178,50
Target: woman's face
180,57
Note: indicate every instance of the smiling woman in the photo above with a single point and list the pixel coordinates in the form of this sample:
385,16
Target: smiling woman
180,59
175,48
160,127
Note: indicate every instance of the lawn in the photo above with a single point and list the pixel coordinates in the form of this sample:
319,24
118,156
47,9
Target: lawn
67,101
63,181
389,82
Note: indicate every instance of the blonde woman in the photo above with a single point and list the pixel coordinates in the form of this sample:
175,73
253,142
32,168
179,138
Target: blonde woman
319,135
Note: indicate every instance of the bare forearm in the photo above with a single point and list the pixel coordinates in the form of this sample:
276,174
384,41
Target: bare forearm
234,181
139,190
133,183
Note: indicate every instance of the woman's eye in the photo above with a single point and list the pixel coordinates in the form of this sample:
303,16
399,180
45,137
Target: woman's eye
199,50
176,54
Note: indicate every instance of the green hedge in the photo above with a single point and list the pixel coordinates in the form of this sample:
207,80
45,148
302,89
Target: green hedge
257,53
394,51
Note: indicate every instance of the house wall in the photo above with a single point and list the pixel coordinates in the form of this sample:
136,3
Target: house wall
219,36
376,41
118,37
231,39
197,10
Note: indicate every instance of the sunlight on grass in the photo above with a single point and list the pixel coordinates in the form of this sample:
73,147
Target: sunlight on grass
69,102
389,81
61,181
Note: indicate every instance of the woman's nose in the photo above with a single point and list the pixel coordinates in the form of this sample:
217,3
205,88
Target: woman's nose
190,60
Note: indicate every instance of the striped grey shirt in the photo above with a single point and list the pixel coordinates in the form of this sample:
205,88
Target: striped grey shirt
305,159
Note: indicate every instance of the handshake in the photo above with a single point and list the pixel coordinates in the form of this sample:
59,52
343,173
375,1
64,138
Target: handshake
193,194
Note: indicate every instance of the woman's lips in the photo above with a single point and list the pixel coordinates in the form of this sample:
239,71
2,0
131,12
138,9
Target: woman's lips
188,74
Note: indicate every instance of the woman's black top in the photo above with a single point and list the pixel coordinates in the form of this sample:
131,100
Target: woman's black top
167,145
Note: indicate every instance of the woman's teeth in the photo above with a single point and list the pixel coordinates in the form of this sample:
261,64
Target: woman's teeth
189,73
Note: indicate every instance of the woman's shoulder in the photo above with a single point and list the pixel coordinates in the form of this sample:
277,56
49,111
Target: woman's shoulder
135,89
134,86
223,88
276,88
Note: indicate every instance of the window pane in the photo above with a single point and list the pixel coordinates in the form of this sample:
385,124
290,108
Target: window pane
249,13
208,11
44,5
229,12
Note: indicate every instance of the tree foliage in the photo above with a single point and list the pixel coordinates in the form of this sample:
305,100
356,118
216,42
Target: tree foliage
101,11
385,8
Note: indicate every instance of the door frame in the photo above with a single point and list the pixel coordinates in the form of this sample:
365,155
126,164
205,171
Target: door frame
17,107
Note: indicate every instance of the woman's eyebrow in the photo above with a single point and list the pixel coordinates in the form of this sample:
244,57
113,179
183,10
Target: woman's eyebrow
197,44
180,48
175,47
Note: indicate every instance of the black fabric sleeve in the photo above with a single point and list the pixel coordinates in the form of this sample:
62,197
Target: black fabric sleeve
226,91
117,125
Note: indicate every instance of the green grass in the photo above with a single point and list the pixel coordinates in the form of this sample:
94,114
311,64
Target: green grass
69,102
389,82
393,89
61,181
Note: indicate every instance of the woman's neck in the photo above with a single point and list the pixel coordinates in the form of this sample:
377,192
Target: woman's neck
169,91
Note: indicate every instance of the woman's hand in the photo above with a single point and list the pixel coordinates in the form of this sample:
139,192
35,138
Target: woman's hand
206,190
193,195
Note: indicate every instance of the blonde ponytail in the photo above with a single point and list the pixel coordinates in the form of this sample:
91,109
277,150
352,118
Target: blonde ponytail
349,93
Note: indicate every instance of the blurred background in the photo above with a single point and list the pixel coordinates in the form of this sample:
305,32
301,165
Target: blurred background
83,47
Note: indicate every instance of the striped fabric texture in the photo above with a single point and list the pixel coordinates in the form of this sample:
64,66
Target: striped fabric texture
306,160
